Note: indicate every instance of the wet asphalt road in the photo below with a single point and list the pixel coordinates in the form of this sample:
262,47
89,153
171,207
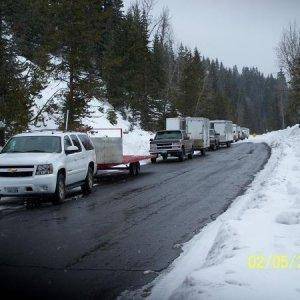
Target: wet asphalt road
101,245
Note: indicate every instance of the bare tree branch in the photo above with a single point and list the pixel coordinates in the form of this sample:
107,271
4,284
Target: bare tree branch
288,49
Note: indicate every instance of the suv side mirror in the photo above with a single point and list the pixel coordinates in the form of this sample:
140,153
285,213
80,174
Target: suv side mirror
71,149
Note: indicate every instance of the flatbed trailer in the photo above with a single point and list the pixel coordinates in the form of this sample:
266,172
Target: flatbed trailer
130,163
109,152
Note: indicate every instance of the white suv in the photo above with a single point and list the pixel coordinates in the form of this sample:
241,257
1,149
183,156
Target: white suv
47,163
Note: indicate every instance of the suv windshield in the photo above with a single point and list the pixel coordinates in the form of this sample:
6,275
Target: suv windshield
167,135
33,144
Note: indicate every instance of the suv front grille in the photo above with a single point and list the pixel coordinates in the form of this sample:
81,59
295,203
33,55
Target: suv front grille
16,171
16,174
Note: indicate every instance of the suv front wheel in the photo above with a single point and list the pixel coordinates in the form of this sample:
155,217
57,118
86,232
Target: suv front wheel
60,192
88,182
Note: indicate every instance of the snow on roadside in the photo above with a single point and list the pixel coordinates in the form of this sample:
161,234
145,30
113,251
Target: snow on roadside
252,251
135,141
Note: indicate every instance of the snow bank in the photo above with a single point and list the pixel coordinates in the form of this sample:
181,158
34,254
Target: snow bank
135,141
252,251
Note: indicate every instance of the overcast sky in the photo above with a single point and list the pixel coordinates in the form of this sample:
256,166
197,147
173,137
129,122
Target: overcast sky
237,32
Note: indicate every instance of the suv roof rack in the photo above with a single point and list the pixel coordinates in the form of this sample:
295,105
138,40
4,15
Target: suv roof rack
44,130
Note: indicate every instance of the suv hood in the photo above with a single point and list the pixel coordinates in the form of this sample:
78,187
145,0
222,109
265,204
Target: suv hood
11,159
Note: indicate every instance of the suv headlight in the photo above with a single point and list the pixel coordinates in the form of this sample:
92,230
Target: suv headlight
44,169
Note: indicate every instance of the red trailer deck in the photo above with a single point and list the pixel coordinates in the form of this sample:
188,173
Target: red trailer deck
130,162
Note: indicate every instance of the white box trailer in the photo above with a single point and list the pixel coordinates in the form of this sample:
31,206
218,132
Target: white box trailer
246,132
197,129
178,123
108,149
235,133
239,131
225,129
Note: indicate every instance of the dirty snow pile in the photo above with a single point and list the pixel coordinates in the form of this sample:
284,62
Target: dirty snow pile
252,251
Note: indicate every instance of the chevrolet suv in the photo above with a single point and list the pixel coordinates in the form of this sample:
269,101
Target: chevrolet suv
47,164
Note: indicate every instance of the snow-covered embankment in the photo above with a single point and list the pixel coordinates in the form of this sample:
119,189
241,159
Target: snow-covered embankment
252,251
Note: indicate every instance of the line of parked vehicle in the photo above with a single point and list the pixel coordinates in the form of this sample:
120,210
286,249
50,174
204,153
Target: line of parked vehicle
184,136
47,163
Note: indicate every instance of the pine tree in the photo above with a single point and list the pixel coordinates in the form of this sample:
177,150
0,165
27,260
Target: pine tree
20,82
74,44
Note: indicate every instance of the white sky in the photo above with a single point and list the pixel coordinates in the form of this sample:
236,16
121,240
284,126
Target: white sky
237,32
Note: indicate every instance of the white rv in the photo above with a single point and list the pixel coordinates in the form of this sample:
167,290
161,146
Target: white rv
225,129
197,129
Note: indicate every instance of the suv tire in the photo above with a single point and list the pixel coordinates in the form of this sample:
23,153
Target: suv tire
88,182
60,192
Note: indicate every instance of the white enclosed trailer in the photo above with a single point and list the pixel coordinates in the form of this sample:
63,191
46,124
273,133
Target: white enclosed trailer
198,129
239,131
225,129
235,133
246,132
178,123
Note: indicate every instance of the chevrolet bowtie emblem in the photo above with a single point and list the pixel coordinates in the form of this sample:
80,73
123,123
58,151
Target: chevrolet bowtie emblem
12,170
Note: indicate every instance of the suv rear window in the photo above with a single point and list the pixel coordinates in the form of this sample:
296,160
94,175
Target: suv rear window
76,142
86,142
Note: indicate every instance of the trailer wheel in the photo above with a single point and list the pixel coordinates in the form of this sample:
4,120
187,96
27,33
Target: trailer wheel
134,169
138,169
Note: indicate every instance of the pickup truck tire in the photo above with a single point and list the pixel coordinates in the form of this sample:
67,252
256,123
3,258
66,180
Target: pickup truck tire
88,182
181,155
203,152
191,154
153,160
60,192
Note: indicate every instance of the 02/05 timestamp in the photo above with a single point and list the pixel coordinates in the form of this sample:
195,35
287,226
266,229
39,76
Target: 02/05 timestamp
275,261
